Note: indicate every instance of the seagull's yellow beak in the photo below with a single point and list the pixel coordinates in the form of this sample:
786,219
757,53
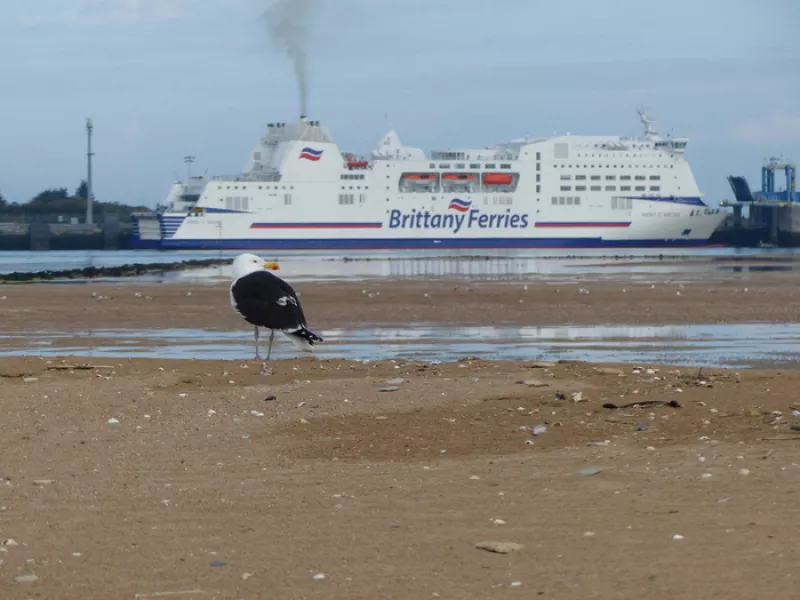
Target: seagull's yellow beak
271,265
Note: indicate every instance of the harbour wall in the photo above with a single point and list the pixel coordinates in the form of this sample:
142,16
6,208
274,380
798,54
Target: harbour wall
111,234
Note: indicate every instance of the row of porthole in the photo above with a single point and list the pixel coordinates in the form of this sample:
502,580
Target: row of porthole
261,187
556,166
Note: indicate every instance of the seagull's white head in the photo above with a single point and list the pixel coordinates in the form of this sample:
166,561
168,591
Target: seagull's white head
244,264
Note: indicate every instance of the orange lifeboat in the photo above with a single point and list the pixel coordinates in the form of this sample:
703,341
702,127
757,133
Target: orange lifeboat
357,164
420,176
497,178
458,176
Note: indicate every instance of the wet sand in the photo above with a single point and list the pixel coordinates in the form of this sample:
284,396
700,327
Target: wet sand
219,479
766,298
206,489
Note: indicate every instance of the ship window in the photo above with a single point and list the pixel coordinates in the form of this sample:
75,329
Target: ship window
287,199
566,177
538,156
554,200
595,177
611,188
655,177
625,177
580,188
474,166
490,166
566,188
655,188
461,166
538,177
621,203
538,189
625,188
640,188
580,177
640,178
577,200
505,166
595,188
610,177
538,166
444,166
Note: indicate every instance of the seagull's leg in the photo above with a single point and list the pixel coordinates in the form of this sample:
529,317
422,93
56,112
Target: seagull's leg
256,335
271,338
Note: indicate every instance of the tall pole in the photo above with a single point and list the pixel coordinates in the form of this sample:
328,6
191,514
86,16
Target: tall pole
89,154
188,160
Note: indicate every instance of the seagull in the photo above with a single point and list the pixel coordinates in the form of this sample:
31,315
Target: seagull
265,300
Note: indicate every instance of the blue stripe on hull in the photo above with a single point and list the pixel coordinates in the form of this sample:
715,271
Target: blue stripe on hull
420,243
147,244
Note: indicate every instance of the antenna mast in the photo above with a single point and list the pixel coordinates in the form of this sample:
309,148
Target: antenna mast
89,155
188,160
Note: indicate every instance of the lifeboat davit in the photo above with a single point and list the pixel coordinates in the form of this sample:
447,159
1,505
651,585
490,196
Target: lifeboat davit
424,177
497,178
458,176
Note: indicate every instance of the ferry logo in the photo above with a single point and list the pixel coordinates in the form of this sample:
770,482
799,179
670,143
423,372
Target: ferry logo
311,154
460,205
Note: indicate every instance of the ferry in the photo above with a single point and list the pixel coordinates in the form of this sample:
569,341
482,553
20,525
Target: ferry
299,191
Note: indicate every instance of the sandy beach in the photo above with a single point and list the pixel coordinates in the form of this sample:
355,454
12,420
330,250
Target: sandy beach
309,478
215,480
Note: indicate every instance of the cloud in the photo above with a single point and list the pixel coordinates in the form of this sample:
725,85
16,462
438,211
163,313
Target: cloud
767,130
106,12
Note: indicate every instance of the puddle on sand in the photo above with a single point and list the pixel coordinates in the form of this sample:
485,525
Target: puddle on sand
741,345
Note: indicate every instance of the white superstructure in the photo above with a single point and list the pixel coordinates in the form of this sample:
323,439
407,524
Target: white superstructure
299,191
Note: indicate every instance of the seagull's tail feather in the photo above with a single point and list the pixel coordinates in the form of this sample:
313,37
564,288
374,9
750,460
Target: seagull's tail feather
303,338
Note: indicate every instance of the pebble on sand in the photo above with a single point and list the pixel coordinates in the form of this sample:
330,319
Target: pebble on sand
534,383
609,371
26,578
590,471
499,547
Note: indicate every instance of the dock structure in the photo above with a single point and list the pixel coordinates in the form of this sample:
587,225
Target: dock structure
773,213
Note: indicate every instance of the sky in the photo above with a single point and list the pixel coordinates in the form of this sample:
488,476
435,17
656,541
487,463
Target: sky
162,79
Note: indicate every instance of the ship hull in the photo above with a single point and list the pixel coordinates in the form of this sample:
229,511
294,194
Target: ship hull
421,244
666,225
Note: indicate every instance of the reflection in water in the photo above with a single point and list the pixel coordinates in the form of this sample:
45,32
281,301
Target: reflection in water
713,345
496,264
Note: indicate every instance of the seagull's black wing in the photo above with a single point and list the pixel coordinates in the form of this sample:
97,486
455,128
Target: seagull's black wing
267,301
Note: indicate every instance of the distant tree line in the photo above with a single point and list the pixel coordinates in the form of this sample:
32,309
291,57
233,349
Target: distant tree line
58,202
